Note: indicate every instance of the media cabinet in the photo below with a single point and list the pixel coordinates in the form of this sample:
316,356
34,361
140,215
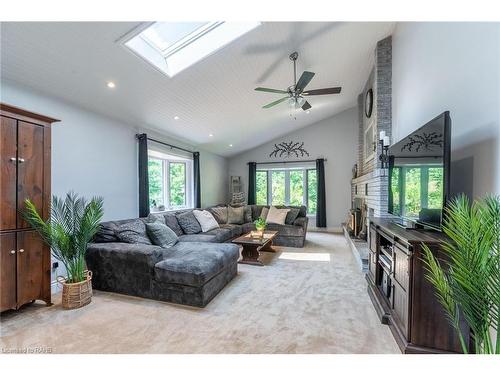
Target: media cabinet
402,296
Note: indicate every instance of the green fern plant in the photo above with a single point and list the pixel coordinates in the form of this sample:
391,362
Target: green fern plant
72,224
467,283
260,224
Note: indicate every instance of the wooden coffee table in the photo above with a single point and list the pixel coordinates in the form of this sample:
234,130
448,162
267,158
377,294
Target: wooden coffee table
253,246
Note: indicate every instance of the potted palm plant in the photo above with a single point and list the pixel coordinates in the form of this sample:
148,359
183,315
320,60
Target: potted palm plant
467,283
72,224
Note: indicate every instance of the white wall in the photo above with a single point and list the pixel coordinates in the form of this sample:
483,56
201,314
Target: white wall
335,139
96,155
455,67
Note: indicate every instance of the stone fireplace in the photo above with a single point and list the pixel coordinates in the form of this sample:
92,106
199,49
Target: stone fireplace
370,183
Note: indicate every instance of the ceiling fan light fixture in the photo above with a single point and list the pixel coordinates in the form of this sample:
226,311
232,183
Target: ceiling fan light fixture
292,102
300,101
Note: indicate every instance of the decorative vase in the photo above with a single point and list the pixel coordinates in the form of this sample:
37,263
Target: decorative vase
76,295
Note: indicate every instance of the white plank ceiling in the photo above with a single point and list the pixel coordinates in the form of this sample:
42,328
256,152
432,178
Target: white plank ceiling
74,60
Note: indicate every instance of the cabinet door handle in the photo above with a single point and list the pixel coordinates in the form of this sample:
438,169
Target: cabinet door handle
13,251
13,160
21,160
21,250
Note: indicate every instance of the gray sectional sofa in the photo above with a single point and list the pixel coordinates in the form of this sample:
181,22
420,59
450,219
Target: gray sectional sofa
192,272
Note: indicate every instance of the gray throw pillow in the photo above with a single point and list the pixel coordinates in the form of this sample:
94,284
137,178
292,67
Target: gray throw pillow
220,214
156,217
133,232
172,223
161,235
188,222
247,214
235,215
106,233
292,215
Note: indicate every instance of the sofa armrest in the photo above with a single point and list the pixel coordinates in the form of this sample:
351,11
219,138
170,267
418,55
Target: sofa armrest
119,252
301,222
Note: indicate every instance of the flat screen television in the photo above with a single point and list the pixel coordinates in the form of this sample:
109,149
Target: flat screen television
419,174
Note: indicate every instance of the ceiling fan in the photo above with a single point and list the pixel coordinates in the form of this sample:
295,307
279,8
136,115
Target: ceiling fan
295,93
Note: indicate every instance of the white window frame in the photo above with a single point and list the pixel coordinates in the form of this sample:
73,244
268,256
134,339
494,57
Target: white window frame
287,171
188,178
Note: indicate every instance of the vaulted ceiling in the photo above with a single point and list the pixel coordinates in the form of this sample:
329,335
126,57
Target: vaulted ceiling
74,60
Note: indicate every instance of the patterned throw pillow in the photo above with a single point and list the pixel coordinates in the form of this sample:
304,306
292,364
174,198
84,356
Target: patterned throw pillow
247,216
161,235
133,232
292,215
106,233
188,222
206,220
156,217
220,214
172,223
235,215
276,215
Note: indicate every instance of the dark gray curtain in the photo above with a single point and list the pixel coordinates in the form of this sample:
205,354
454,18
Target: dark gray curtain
143,176
197,182
321,198
252,182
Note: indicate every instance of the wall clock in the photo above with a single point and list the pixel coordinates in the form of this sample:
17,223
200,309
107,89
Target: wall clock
369,103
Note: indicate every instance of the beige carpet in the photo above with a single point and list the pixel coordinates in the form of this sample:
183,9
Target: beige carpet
310,300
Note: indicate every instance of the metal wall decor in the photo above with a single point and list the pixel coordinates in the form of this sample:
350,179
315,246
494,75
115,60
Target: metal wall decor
426,140
287,149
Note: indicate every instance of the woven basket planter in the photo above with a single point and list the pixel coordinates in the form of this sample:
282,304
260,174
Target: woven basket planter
76,295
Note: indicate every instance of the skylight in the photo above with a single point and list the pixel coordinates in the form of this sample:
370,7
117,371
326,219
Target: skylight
174,46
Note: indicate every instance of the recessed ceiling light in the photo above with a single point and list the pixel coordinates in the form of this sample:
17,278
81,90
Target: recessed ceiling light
111,85
308,111
210,135
231,145
176,117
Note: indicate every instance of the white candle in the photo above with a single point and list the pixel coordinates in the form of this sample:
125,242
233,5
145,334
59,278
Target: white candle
387,141
382,135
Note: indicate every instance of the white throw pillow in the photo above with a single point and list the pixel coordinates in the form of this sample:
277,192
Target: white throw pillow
206,220
264,212
277,215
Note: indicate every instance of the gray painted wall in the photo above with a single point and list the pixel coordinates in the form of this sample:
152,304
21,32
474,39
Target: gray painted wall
335,139
95,155
455,67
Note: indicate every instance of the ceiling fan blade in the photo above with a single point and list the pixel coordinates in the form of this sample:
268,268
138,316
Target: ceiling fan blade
304,79
276,102
329,90
306,106
271,90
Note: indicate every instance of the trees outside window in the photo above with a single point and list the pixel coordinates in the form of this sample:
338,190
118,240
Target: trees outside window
261,179
312,191
170,183
294,187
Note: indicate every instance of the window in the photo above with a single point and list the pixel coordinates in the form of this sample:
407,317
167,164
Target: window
261,177
278,188
294,187
174,46
312,191
170,182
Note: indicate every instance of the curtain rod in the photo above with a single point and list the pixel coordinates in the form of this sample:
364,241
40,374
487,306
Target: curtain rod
164,143
287,162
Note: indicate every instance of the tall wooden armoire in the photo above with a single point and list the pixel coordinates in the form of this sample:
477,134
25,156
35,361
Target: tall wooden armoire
25,260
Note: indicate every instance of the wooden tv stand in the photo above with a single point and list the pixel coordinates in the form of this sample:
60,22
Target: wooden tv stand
402,296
